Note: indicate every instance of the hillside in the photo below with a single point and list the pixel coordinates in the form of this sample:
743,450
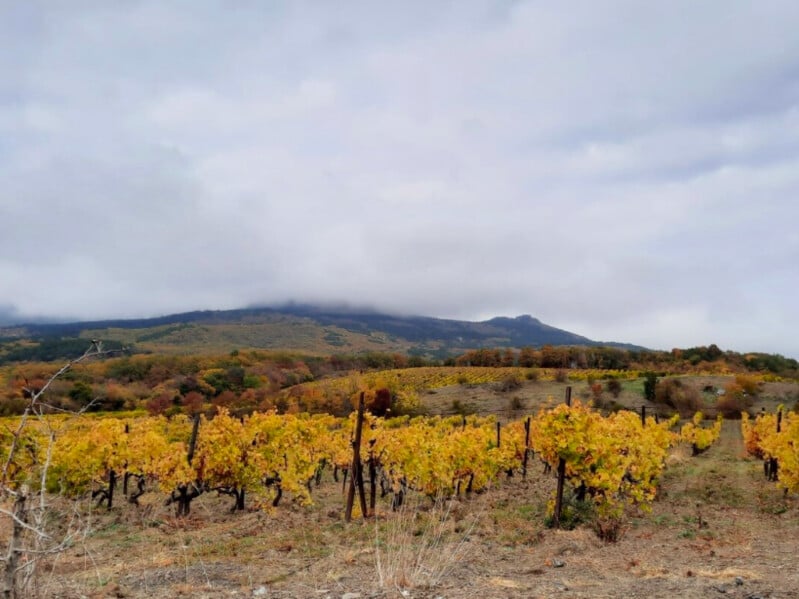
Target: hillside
315,329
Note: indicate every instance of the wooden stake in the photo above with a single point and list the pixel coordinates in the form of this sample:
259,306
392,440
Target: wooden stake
356,476
526,446
561,476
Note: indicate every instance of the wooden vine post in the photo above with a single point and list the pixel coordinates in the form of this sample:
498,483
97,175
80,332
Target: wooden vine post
643,415
356,476
771,465
561,475
526,446
185,493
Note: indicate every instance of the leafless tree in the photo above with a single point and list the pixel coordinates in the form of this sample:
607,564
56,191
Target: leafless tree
23,500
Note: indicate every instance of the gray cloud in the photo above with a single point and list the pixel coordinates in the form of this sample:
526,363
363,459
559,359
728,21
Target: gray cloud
627,171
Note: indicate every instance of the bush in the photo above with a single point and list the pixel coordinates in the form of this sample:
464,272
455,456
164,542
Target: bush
731,406
650,385
734,401
573,513
608,405
461,408
561,375
614,387
532,374
674,393
509,383
609,529
748,383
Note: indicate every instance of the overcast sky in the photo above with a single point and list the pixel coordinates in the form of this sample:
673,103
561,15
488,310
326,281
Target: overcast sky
626,170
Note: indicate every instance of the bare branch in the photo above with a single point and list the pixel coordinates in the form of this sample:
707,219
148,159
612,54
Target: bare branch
44,544
24,524
93,351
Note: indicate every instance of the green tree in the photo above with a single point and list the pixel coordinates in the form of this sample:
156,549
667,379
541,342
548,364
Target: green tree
650,384
82,394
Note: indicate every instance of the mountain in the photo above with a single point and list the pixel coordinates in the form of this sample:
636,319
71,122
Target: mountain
308,328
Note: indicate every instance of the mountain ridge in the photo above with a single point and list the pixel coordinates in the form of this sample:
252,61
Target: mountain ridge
310,326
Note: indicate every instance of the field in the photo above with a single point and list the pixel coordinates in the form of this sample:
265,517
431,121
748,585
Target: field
717,527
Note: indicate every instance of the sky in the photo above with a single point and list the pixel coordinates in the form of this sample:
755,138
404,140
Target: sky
626,170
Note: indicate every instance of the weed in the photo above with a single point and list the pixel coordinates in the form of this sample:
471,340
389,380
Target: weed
573,513
663,520
532,374
509,383
415,549
461,408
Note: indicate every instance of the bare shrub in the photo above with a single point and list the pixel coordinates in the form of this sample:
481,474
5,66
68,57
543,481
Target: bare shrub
417,549
675,394
731,407
509,383
734,401
614,387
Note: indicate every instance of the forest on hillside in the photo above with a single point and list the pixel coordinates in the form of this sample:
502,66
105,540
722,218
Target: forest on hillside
247,380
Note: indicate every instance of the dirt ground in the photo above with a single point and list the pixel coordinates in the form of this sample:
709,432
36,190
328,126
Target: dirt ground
531,395
717,529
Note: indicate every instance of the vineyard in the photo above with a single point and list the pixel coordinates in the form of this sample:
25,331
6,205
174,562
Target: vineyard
610,462
576,468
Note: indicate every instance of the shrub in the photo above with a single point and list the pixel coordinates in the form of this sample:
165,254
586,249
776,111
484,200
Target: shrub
461,408
731,406
532,374
614,387
748,383
734,400
159,404
650,385
561,375
609,528
574,511
607,405
675,394
509,383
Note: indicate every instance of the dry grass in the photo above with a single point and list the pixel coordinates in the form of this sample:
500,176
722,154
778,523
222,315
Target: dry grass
419,545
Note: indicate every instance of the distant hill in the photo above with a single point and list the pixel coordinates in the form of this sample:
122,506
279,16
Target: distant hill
304,327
